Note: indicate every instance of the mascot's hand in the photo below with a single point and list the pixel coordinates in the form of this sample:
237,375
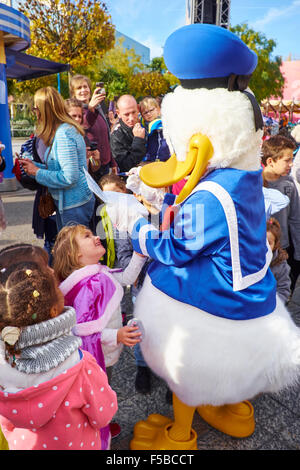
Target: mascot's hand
125,211
122,218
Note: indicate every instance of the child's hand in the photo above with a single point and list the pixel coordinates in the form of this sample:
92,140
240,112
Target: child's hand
94,158
129,335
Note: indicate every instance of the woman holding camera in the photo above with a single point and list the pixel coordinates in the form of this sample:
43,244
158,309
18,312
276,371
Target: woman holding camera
95,123
65,159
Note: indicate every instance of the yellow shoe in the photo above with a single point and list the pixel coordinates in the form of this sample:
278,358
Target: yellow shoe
235,420
152,434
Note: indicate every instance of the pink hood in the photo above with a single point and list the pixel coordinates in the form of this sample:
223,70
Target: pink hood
66,412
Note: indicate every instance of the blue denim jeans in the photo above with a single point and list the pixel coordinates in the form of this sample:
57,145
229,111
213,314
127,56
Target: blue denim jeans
50,236
139,358
76,215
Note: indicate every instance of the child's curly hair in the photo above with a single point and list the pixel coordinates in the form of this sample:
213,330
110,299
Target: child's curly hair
273,226
66,251
26,298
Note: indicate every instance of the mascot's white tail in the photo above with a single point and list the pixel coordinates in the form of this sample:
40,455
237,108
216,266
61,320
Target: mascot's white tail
215,360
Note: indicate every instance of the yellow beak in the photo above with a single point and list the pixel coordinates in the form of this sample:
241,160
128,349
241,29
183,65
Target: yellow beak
161,174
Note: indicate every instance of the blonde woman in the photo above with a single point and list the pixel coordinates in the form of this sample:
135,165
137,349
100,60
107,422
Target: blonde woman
65,159
94,121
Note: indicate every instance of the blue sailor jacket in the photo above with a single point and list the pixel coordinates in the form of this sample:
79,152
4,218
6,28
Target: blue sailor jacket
215,255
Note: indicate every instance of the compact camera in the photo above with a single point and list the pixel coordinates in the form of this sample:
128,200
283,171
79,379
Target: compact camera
139,324
101,85
92,146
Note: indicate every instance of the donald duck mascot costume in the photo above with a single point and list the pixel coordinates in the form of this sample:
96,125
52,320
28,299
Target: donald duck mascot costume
215,330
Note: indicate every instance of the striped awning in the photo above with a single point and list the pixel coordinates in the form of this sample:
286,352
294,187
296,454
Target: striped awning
15,27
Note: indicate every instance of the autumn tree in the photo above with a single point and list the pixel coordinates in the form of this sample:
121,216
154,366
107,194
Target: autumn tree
267,80
29,87
73,32
115,69
116,84
124,61
171,79
148,83
157,64
69,31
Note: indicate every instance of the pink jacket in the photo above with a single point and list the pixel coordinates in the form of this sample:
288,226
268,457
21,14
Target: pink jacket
95,295
95,292
64,413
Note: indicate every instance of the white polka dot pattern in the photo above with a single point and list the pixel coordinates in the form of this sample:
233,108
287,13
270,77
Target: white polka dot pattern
63,413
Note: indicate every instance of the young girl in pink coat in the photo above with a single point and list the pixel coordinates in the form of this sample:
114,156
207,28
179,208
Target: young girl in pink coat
53,396
95,291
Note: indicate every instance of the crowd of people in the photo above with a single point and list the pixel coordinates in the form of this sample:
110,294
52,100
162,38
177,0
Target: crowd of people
75,284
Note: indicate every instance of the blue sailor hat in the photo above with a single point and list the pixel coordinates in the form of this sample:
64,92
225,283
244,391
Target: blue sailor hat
203,51
208,56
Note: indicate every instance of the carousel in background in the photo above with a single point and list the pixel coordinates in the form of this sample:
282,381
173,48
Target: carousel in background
285,111
280,108
278,114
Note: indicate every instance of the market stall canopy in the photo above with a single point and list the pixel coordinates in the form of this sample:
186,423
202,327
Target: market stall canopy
281,107
21,66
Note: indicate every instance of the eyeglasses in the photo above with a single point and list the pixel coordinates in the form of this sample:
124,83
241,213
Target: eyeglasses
149,111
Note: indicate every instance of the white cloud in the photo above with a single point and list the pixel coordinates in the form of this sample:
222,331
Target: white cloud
273,14
129,10
156,49
149,23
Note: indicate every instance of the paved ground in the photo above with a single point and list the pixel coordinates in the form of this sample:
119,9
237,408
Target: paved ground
277,416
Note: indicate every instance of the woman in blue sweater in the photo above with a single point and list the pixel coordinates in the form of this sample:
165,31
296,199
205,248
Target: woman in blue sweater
65,159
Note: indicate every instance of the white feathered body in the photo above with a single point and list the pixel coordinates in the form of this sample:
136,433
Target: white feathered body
207,359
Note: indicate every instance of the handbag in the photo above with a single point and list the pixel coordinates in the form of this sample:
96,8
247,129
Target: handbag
46,205
28,182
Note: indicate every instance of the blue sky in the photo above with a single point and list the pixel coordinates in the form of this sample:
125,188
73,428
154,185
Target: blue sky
152,21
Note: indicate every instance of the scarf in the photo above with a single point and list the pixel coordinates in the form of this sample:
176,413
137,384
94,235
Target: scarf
47,344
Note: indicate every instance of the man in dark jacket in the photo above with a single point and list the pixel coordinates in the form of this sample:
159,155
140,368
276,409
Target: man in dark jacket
128,139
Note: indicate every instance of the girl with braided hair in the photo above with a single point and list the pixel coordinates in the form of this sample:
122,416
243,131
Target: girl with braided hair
52,395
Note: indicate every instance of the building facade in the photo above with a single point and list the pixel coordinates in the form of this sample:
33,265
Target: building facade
139,48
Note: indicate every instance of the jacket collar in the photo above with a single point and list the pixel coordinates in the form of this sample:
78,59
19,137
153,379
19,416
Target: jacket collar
126,128
80,274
